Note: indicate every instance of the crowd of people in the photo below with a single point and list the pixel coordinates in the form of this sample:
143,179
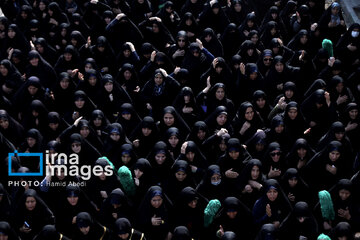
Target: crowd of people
234,119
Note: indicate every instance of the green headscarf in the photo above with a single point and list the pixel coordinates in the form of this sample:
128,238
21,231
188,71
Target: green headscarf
126,180
326,204
210,211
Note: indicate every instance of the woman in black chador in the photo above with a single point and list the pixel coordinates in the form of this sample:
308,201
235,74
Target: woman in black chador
213,185
273,207
251,182
300,222
31,215
274,161
299,155
192,154
189,211
144,136
116,206
123,230
327,167
161,162
74,202
10,78
348,47
294,187
180,177
185,104
232,164
153,216
158,92
235,217
89,229
171,118
246,122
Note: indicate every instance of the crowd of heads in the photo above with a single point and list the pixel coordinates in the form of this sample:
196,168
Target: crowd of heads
215,119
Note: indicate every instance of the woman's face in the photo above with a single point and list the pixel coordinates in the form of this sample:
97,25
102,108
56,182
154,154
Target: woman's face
138,173
67,57
222,146
334,155
292,182
260,102
289,94
231,214
273,31
109,86
92,81
292,113
4,123
158,79
127,75
339,136
126,116
279,129
79,103
84,132
221,119
190,156
64,83
3,70
253,75
42,6
303,39
32,90
53,126
169,119
125,158
234,154
73,200
208,38
97,122
301,152
193,203
275,155
115,137
200,134
30,203
344,194
237,7
73,42
250,23
272,194
220,94
34,62
255,172
173,140
88,67
160,158
146,131
249,114
11,33
76,147
31,141
254,38
339,87
186,99
156,201
155,28
250,51
180,176
279,67
353,114
188,22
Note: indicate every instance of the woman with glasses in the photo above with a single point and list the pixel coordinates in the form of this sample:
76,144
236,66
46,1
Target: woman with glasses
274,161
